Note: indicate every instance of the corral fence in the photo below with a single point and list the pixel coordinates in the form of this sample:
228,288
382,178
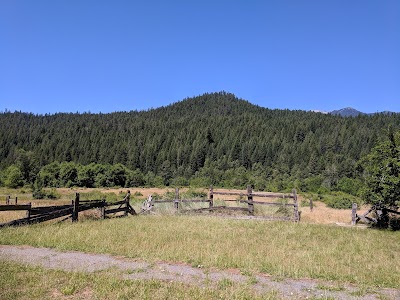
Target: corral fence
374,216
247,197
69,211
9,200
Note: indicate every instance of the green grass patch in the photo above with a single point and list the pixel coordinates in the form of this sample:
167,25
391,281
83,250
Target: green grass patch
18,281
282,249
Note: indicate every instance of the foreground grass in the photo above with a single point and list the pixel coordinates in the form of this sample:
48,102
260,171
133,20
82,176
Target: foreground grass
18,281
282,249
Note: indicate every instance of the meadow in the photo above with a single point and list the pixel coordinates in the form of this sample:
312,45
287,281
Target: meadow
24,282
309,249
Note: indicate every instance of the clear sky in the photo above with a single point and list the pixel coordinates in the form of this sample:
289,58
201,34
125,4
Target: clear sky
116,55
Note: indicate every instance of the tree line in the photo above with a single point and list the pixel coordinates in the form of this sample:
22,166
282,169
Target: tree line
210,139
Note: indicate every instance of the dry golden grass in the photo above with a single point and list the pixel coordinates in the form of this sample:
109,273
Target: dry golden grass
6,216
144,191
321,214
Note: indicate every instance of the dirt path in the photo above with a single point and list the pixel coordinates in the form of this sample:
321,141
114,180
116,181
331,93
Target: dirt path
134,269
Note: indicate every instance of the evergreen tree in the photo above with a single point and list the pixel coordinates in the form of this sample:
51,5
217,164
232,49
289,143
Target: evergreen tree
382,172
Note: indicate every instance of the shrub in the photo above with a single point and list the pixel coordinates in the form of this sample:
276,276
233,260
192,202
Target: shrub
52,194
340,201
311,184
349,185
194,194
180,181
39,193
13,177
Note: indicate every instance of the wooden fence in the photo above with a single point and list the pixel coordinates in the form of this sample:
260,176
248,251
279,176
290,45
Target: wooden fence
46,213
250,196
9,200
372,216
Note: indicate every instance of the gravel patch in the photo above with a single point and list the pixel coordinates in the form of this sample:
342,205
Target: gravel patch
173,272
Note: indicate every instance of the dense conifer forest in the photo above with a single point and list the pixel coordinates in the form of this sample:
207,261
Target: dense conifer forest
210,139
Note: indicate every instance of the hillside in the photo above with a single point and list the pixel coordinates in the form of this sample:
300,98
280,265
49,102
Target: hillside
351,112
217,137
347,112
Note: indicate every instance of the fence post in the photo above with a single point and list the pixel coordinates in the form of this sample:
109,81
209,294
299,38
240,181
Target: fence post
296,206
250,199
16,200
127,198
311,204
211,197
176,202
354,214
28,212
103,210
7,200
75,209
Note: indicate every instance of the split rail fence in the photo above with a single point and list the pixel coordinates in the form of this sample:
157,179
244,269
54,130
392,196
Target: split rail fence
249,194
46,213
372,216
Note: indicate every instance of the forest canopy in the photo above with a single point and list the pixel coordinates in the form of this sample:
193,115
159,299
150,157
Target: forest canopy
210,139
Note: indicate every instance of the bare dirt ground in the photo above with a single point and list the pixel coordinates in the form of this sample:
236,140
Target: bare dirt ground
174,272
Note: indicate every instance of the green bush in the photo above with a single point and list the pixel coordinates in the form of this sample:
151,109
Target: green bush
192,194
340,200
39,193
168,195
340,203
13,177
311,184
200,182
52,194
349,185
180,181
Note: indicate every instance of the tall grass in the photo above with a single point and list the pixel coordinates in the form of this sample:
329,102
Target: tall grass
282,249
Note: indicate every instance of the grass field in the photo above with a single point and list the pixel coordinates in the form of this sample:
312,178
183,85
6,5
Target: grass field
22,282
314,248
282,249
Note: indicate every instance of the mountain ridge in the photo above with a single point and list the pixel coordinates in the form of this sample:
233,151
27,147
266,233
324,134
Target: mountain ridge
347,112
351,112
223,105
213,138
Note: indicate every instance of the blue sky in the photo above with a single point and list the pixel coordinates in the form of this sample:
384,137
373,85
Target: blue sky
83,55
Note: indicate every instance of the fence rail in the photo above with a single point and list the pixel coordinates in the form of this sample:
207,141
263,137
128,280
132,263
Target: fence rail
149,204
14,207
46,213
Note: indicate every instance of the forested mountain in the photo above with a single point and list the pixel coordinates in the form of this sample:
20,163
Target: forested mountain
351,112
214,138
347,112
